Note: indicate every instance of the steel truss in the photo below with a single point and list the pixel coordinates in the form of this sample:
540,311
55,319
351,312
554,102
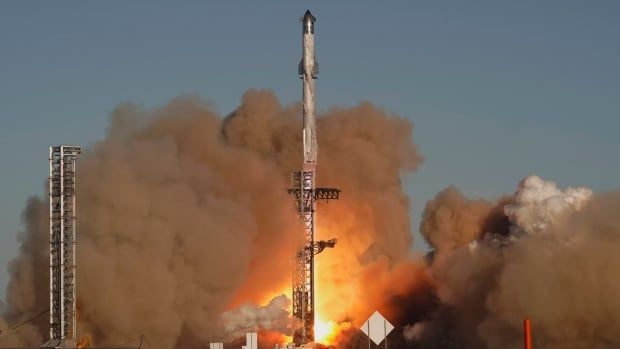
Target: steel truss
306,196
62,161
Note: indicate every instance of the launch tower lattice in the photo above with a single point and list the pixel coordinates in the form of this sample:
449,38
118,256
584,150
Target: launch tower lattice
306,196
63,327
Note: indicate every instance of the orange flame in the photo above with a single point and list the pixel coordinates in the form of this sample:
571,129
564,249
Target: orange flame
327,331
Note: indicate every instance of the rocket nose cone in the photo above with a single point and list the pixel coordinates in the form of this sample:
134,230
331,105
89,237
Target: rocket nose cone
308,22
308,17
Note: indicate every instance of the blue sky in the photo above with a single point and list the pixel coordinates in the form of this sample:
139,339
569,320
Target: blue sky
496,89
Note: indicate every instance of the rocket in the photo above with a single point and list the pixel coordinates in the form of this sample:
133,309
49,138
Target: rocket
306,194
308,72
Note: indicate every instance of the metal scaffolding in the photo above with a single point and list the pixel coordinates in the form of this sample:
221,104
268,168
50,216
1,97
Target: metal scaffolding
306,196
63,331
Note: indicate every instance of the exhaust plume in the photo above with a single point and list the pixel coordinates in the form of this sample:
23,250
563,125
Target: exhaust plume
565,286
186,234
183,216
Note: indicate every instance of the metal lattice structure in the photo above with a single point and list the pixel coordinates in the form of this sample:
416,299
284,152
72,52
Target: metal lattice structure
63,330
306,195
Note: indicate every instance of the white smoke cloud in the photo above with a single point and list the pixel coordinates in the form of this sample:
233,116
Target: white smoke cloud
539,203
249,317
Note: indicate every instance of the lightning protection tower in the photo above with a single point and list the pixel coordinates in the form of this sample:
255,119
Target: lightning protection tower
62,161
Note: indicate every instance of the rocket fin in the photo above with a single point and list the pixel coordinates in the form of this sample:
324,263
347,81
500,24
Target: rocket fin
300,68
315,69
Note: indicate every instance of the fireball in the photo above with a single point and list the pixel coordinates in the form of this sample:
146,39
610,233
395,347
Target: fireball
324,331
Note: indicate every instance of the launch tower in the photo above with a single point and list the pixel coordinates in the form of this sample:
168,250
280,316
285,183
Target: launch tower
62,161
306,194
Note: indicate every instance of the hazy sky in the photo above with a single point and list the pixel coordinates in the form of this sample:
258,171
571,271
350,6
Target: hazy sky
496,89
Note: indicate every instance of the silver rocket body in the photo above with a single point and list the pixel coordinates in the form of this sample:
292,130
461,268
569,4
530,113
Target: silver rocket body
308,72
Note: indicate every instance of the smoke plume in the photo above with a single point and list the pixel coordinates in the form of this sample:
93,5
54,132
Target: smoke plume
539,203
558,269
183,216
450,220
186,233
249,317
